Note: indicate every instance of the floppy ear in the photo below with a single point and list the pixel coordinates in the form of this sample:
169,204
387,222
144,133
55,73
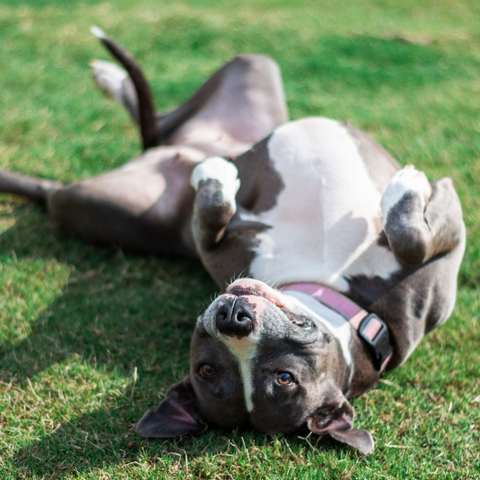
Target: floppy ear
337,421
176,415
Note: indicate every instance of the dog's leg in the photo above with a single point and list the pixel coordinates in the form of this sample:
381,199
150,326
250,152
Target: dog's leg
216,182
116,83
33,188
421,219
249,85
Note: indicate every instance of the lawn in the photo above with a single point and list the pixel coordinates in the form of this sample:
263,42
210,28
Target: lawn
91,337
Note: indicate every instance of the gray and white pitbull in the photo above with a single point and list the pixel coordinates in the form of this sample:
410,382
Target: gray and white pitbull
343,263
342,260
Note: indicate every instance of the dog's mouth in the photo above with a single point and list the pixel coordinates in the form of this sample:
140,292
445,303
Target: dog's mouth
248,287
269,309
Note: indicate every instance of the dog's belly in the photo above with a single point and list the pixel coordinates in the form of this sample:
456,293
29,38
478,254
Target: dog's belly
326,223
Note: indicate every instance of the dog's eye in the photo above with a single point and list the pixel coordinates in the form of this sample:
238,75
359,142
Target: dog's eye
207,370
284,378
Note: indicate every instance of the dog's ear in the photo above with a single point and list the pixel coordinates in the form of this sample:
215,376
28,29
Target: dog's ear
336,420
176,415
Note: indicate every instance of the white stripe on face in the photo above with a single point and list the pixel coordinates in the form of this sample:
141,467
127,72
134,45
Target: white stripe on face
244,350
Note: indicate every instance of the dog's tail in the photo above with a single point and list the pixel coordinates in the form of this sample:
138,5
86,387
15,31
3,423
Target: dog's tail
36,189
151,135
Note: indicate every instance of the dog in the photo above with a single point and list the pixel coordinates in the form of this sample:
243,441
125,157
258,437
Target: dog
342,261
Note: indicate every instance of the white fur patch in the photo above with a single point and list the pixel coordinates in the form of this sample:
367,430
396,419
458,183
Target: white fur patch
407,179
333,321
325,224
98,32
109,77
217,168
244,350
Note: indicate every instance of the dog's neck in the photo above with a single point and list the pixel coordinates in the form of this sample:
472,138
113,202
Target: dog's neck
353,327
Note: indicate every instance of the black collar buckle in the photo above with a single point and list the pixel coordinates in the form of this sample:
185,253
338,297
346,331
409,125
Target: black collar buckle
374,331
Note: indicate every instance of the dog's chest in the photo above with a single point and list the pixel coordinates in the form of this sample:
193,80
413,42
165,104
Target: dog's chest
326,224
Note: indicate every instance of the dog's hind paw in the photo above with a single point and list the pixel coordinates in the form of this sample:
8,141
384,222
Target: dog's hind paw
217,168
408,179
109,77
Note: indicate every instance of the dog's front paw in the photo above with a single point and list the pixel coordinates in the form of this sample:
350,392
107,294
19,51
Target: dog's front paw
408,179
217,168
108,77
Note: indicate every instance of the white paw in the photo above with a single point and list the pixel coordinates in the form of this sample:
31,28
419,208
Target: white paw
217,168
109,77
408,179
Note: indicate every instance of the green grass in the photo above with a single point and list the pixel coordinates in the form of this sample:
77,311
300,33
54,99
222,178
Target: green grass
92,337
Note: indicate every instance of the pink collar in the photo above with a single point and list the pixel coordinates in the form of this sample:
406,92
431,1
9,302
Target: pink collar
371,328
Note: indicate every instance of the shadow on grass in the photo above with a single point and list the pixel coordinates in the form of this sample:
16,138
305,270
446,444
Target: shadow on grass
106,437
114,310
368,63
115,314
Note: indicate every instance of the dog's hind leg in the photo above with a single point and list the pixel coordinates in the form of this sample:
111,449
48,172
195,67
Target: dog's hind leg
249,85
34,188
421,219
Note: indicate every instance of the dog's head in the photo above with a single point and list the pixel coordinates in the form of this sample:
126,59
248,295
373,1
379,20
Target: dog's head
260,358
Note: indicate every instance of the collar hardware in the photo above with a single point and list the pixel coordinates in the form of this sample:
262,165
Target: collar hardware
374,332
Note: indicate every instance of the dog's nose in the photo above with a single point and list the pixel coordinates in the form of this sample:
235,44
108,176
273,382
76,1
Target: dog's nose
235,319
